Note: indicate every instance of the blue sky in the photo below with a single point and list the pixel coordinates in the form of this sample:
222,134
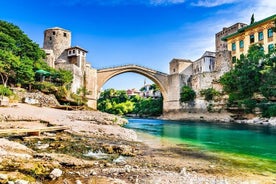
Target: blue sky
144,32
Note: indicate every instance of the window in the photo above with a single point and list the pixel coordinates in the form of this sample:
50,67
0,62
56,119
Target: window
260,36
50,38
54,33
270,48
269,33
70,52
64,34
233,46
262,48
252,38
74,51
241,44
234,59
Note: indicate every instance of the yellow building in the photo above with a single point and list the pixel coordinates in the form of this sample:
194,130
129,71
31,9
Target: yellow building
257,33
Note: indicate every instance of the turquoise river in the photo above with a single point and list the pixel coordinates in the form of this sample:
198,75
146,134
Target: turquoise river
251,145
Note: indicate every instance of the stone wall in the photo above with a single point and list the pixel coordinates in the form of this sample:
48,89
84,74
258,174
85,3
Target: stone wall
91,86
178,65
77,75
175,82
58,40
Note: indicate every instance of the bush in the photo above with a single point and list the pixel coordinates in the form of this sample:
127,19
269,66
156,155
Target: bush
209,93
249,105
5,91
187,94
272,111
268,110
46,87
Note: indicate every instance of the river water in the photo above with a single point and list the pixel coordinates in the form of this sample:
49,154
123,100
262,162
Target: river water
250,143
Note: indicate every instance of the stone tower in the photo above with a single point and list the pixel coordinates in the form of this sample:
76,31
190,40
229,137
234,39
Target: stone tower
56,41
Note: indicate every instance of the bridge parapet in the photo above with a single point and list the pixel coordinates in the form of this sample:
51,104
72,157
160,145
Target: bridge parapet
130,66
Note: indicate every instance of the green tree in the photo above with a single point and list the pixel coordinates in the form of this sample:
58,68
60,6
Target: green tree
253,74
24,72
63,77
27,53
8,66
19,43
187,94
252,20
117,102
244,79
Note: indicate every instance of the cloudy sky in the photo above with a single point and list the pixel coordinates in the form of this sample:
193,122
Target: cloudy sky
144,32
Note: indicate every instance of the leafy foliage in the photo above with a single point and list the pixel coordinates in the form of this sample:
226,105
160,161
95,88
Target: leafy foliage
253,74
187,94
118,102
13,39
8,66
209,93
20,57
5,91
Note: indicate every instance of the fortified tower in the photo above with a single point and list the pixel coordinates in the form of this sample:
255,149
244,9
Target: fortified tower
56,41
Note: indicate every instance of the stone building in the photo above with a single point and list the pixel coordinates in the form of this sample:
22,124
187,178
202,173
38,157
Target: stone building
259,32
221,45
61,55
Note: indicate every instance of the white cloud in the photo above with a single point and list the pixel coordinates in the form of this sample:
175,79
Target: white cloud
260,8
213,3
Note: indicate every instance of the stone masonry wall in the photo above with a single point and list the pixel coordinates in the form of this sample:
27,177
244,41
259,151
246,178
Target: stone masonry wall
58,40
77,75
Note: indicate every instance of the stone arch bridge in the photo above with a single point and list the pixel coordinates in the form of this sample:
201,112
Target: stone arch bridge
163,80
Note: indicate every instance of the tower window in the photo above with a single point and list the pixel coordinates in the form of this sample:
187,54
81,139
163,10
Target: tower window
54,33
64,34
50,38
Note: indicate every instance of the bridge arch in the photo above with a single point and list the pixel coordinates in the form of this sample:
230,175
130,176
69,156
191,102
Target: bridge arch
159,78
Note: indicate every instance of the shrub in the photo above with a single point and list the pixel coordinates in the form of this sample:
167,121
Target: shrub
187,94
46,87
268,110
209,93
272,111
249,104
5,91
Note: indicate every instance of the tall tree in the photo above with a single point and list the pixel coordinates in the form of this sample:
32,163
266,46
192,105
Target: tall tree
252,19
9,63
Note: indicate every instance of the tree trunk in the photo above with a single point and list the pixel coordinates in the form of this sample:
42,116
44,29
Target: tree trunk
4,79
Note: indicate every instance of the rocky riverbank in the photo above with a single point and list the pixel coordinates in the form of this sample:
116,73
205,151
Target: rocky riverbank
96,149
223,117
